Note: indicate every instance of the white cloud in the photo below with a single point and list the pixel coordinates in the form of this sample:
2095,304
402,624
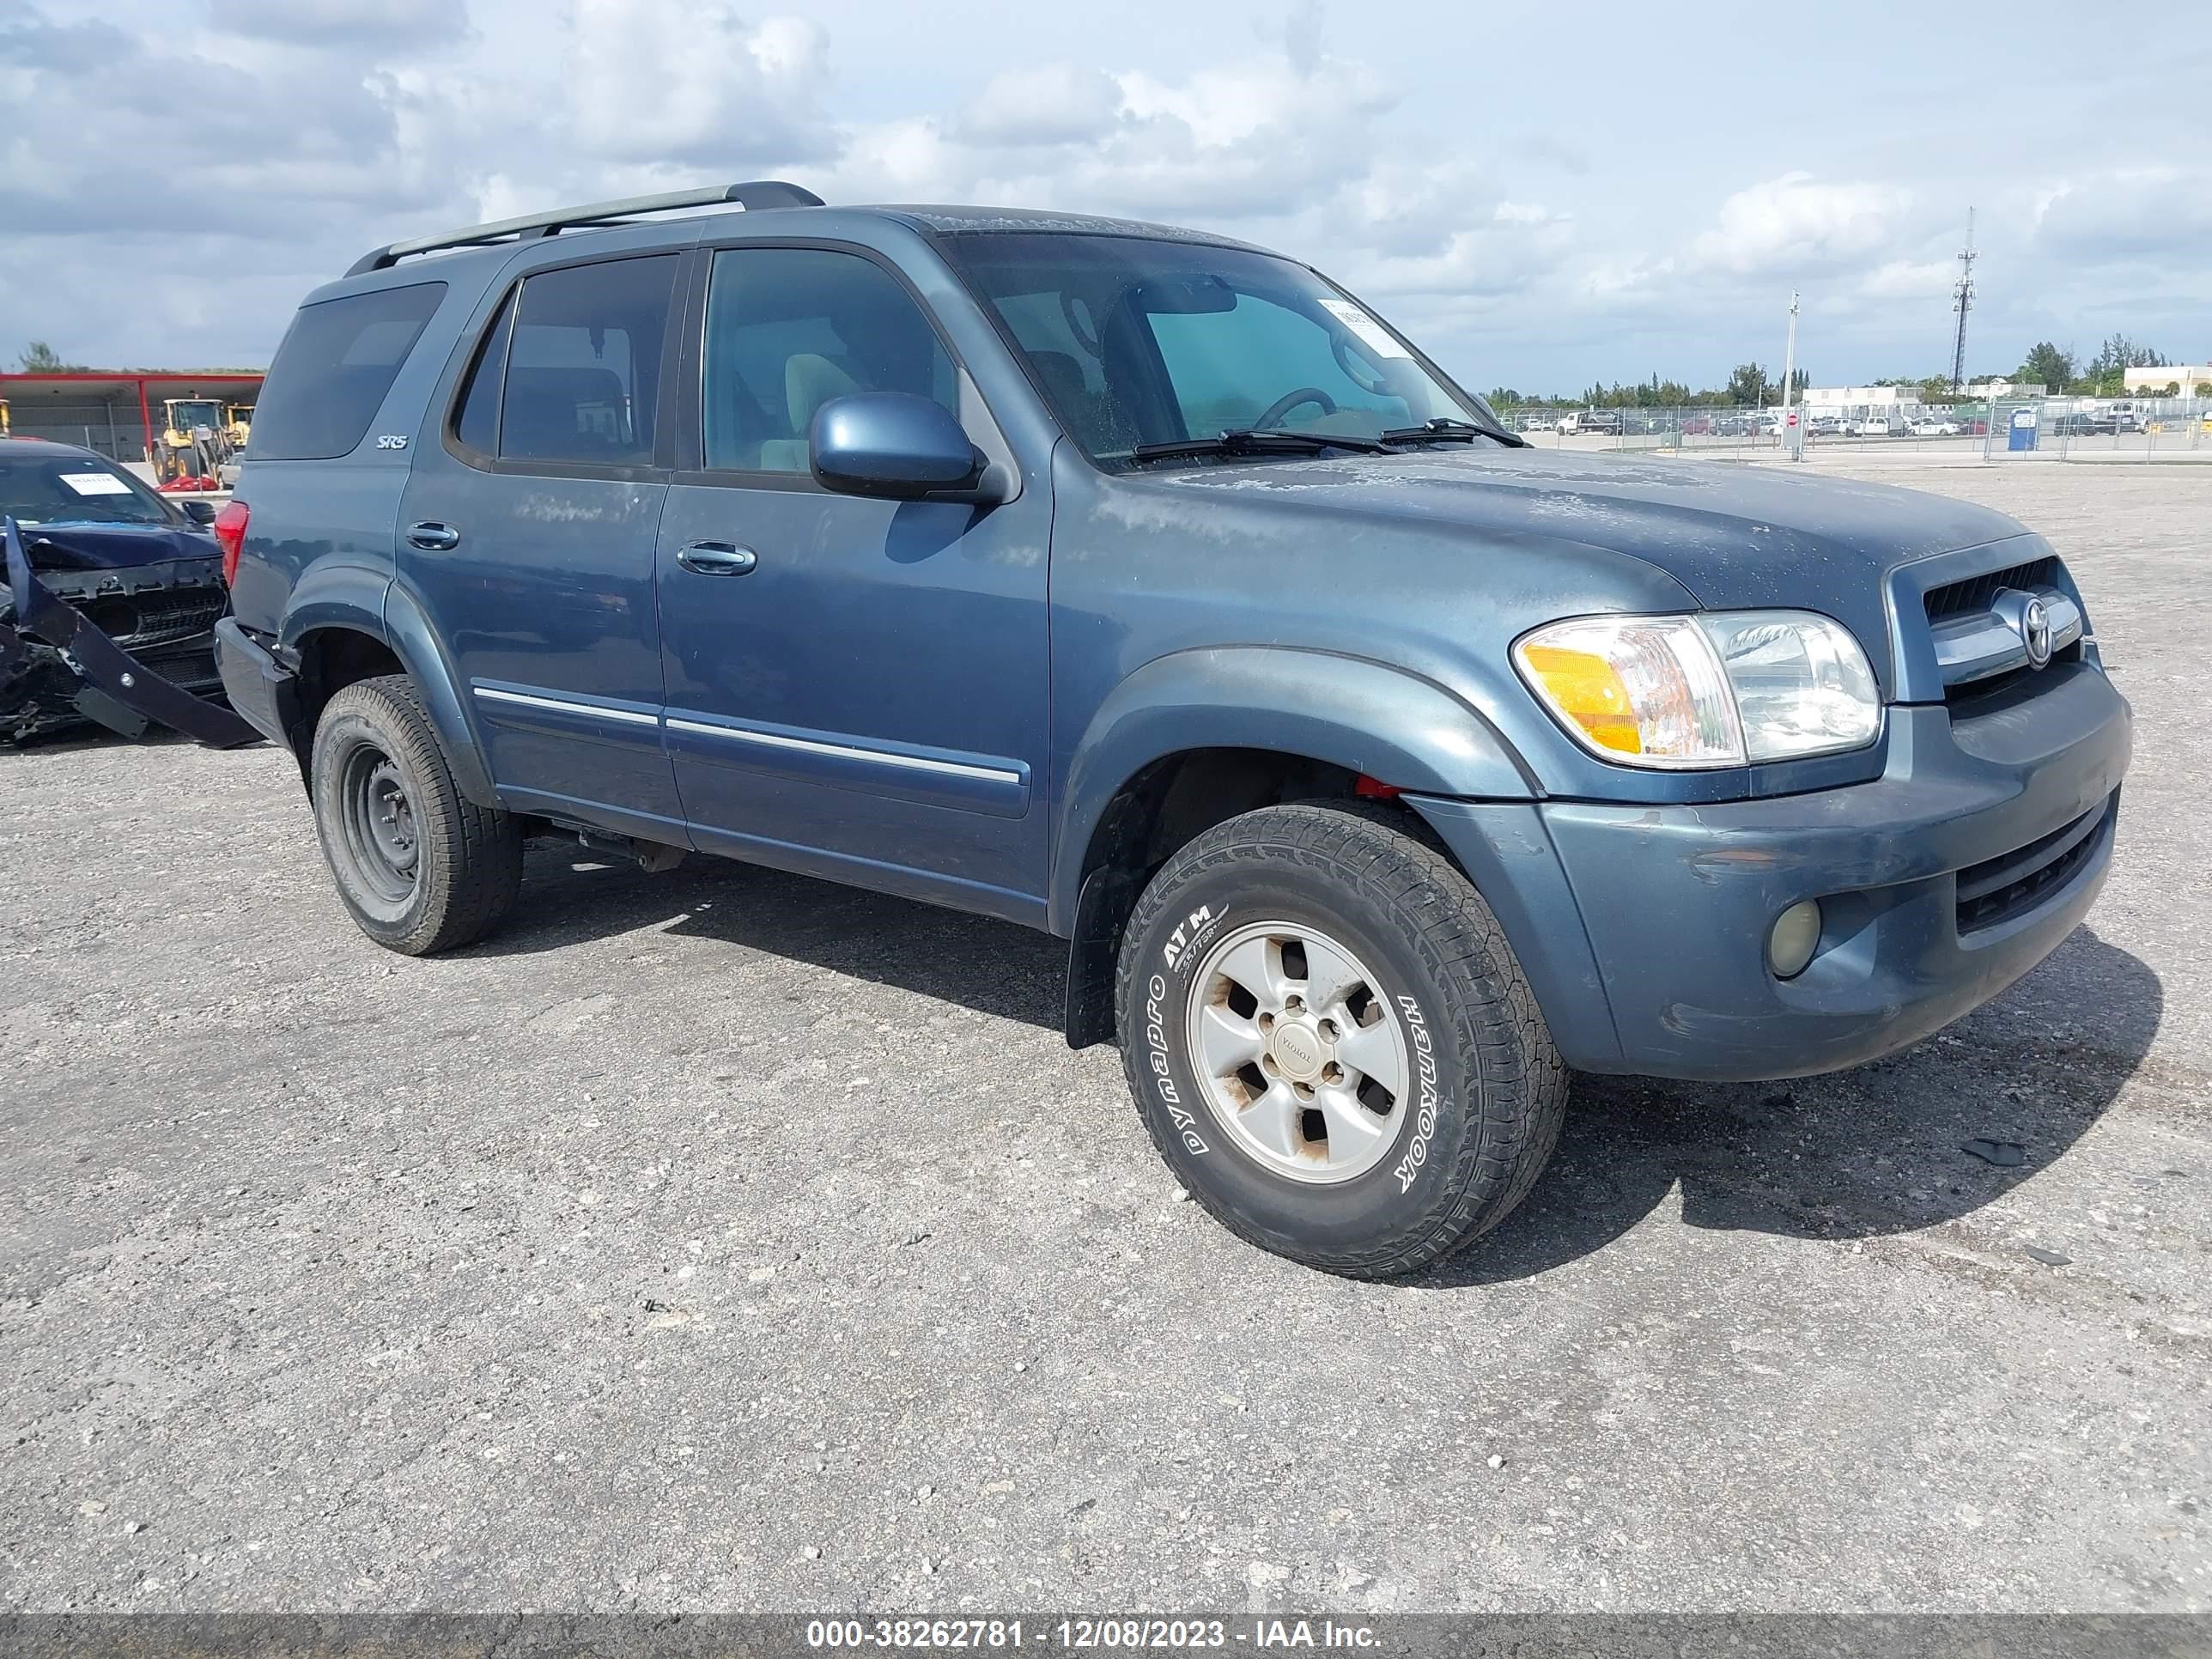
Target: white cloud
1044,104
1487,224
1797,223
675,81
389,25
2125,213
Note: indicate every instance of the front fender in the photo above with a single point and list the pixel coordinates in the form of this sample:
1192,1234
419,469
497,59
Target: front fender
1365,716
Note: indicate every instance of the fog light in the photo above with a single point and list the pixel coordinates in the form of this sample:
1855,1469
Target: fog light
1795,934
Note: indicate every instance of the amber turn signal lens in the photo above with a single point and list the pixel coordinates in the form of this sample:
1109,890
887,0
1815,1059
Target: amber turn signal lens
1586,689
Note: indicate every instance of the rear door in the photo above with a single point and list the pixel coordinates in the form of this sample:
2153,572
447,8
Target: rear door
527,533
863,693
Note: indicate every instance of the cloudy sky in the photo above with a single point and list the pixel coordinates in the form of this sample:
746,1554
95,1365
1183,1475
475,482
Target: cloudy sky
1542,193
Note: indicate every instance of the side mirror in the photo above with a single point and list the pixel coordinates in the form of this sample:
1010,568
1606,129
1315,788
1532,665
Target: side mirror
200,513
896,446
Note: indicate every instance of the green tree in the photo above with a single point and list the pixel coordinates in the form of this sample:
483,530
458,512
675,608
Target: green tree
2203,389
1748,386
2046,365
39,358
2106,375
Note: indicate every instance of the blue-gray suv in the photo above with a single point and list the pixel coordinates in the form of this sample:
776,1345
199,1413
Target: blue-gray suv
1148,588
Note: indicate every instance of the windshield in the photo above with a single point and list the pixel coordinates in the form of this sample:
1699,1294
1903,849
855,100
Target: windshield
1136,341
75,489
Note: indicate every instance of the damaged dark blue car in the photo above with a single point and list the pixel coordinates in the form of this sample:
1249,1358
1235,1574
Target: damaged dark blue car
107,614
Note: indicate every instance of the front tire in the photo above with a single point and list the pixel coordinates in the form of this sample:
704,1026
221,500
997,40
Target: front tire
420,866
1330,1042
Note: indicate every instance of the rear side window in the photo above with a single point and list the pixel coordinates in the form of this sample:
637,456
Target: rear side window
337,361
583,365
476,425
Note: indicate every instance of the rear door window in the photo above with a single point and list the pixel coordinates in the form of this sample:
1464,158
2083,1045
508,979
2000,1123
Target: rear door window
329,377
583,364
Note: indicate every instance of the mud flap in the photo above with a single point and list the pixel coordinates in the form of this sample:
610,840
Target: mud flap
117,691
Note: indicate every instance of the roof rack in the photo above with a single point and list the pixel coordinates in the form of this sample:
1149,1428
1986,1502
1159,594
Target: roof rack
753,196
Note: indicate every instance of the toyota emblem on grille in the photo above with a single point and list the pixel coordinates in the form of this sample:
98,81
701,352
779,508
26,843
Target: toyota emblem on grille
2035,632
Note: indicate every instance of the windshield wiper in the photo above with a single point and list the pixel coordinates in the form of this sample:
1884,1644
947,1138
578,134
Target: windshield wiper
1444,429
1248,441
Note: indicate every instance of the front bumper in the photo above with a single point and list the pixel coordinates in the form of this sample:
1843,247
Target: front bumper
124,647
1644,929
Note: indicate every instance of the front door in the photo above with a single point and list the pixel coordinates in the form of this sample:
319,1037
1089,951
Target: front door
854,688
528,532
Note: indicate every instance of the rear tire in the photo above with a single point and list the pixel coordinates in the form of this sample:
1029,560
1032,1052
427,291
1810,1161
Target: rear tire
420,867
1330,1042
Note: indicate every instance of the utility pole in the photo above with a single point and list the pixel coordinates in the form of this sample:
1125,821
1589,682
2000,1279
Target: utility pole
1789,357
1962,301
1793,432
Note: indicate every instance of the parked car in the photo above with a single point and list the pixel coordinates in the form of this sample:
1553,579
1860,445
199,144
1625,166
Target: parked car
101,546
1539,424
1876,426
1145,588
1933,426
1604,422
1825,425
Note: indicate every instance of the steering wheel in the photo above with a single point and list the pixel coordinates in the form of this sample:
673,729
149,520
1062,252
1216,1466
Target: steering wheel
1290,400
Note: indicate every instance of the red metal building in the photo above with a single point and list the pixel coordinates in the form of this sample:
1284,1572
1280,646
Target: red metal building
115,411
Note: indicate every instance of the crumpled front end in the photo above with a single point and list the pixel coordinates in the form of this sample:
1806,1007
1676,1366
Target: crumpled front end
122,648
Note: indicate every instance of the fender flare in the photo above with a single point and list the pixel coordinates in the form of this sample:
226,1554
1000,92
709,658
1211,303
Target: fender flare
367,600
1366,716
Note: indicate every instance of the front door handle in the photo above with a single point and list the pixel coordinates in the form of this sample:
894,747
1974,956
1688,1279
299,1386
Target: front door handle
717,559
434,538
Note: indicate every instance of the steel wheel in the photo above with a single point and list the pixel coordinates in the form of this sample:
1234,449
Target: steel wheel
380,832
1298,1051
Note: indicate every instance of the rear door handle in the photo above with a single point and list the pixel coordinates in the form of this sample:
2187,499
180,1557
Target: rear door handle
434,538
717,559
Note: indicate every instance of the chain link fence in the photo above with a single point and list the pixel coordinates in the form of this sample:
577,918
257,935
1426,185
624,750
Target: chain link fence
2043,429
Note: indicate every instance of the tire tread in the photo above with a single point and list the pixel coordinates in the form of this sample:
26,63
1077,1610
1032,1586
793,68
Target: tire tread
483,876
1389,855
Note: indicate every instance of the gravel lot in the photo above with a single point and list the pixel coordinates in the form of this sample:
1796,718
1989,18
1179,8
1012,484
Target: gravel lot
720,1239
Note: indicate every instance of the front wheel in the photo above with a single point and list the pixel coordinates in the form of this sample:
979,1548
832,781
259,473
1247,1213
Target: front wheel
1330,1042
419,865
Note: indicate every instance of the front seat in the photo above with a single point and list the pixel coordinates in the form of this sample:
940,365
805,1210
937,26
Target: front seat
809,380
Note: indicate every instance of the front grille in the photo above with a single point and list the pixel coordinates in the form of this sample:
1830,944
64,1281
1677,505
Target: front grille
1985,696
138,620
1997,889
1976,592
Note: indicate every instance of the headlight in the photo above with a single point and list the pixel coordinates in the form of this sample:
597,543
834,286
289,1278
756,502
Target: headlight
1707,690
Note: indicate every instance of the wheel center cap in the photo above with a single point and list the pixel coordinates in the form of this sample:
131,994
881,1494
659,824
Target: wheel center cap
1297,1051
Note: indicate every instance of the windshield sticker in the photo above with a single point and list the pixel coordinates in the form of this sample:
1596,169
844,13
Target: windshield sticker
95,483
1370,333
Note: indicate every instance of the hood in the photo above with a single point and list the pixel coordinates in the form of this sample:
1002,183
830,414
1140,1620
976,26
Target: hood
114,546
1734,536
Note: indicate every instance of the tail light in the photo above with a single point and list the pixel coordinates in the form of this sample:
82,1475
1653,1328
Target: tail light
229,527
